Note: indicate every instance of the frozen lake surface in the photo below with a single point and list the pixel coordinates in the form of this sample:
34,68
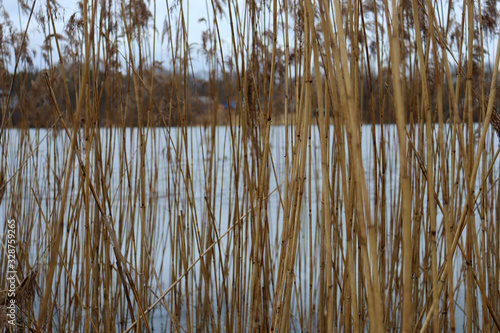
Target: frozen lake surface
190,177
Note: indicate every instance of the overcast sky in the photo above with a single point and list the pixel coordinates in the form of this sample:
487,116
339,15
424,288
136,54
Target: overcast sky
194,10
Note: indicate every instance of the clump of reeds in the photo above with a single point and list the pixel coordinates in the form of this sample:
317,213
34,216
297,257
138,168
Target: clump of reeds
371,206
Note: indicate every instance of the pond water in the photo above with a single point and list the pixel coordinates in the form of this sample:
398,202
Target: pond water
192,179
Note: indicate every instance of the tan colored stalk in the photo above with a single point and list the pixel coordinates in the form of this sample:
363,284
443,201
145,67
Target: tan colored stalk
447,207
350,295
88,238
286,201
258,252
368,245
324,130
469,256
280,320
480,270
403,165
429,124
144,270
298,179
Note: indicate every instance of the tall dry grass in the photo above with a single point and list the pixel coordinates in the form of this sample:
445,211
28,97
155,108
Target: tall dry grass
374,208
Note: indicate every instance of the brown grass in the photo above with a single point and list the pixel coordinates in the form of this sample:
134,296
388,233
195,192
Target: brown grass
376,208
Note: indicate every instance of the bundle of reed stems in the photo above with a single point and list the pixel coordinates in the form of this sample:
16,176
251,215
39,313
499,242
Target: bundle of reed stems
351,184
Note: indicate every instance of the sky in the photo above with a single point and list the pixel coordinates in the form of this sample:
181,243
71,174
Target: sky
194,10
